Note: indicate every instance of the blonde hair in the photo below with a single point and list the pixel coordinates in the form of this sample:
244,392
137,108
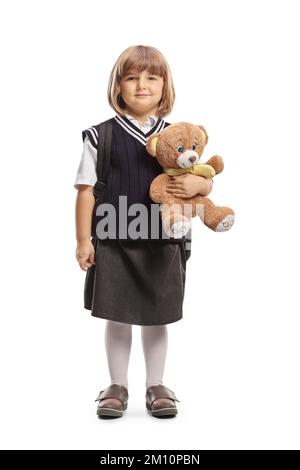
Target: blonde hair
140,58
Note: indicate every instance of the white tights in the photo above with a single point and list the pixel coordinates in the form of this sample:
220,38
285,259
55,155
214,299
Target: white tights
118,339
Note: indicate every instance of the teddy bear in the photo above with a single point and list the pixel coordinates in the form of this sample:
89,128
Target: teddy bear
178,149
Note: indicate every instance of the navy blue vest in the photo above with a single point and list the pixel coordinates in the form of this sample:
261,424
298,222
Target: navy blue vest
131,173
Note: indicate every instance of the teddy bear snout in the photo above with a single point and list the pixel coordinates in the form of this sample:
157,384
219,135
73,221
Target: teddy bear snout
187,159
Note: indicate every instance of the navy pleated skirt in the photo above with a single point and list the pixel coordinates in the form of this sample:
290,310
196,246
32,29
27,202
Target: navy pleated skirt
136,282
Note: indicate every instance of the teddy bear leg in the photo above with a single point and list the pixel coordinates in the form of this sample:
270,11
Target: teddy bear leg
225,223
175,224
218,219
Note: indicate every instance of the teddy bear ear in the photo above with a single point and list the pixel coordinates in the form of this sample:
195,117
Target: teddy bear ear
205,133
151,144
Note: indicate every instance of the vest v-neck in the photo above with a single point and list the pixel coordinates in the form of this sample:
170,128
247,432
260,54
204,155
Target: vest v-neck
135,131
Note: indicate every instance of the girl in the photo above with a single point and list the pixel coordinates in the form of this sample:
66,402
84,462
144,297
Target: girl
133,280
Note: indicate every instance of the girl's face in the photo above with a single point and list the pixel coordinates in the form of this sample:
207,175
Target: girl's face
141,92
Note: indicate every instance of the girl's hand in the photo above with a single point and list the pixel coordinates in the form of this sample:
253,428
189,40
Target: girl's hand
85,254
188,185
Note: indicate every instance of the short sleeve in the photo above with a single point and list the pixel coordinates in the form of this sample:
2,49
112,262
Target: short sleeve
87,173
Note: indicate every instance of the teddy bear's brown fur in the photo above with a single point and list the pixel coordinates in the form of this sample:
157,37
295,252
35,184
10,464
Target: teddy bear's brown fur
178,146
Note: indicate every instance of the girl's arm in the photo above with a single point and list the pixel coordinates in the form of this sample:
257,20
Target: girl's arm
85,202
205,186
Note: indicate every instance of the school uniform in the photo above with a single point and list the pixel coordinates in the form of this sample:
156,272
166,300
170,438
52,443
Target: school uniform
136,280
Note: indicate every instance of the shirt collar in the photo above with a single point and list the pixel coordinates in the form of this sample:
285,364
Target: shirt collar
149,122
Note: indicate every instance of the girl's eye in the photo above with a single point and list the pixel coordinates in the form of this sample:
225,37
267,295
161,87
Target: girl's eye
151,78
180,148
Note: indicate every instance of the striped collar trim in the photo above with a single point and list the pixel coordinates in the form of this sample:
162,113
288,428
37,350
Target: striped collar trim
137,133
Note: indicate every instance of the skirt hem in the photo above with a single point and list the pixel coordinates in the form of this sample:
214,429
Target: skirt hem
102,316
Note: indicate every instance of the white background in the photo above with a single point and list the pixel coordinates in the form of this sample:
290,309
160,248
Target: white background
233,360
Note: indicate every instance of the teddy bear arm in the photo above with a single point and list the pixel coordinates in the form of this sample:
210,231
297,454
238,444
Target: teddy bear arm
217,163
